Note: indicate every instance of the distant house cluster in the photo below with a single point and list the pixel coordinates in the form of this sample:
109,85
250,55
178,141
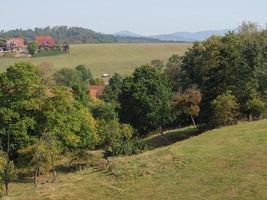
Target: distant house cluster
45,41
15,44
19,46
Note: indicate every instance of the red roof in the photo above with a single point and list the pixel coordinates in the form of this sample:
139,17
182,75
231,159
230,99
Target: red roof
96,90
18,41
45,40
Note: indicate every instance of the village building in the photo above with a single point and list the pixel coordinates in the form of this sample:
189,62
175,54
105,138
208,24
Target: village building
96,91
45,41
15,44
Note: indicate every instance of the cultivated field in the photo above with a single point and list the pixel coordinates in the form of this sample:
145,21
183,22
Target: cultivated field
106,58
227,163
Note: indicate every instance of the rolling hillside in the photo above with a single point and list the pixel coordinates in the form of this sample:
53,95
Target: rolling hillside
227,163
106,58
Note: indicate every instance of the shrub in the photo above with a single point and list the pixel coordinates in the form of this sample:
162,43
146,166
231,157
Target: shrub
225,110
125,147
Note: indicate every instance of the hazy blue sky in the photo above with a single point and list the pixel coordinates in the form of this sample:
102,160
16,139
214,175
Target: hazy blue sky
140,16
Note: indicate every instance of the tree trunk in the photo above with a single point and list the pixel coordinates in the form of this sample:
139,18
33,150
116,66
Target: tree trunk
6,186
53,168
260,116
161,130
193,121
35,177
250,117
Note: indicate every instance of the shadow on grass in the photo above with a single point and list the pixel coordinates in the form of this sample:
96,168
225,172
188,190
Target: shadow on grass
170,137
24,177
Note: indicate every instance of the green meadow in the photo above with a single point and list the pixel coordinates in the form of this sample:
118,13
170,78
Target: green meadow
226,163
106,58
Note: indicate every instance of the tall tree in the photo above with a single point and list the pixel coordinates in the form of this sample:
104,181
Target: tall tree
21,99
113,89
7,171
173,71
50,141
145,99
37,156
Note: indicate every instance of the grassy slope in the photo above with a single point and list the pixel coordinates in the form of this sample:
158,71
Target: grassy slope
227,163
107,58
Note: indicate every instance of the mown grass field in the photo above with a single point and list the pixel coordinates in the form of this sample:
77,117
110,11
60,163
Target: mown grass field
227,163
106,58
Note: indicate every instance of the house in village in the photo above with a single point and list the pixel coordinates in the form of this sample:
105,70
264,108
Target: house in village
16,44
45,41
96,91
19,48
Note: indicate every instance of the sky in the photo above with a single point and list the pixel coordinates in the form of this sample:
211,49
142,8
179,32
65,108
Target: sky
145,17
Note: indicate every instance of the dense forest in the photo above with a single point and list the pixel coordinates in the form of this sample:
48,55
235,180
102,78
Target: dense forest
72,35
218,82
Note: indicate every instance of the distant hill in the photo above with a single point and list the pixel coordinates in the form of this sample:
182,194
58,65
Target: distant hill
189,36
175,37
126,34
71,35
128,39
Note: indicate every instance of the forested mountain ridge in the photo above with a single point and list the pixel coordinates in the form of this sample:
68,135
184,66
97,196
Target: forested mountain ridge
73,35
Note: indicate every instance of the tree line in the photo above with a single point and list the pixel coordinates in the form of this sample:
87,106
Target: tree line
217,82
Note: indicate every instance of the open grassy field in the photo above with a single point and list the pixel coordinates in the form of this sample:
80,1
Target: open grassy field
106,58
227,163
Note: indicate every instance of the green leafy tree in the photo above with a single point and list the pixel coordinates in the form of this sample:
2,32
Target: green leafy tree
173,68
225,110
255,107
35,156
145,99
157,64
78,80
104,111
113,89
69,121
32,47
7,171
86,74
21,99
51,144
109,132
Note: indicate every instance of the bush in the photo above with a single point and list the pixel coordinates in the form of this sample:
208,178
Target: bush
125,147
225,110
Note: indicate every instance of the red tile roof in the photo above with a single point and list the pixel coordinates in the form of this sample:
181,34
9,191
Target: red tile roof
96,90
45,40
18,41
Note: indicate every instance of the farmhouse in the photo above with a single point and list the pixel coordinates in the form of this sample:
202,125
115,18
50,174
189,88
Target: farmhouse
15,44
45,41
96,91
